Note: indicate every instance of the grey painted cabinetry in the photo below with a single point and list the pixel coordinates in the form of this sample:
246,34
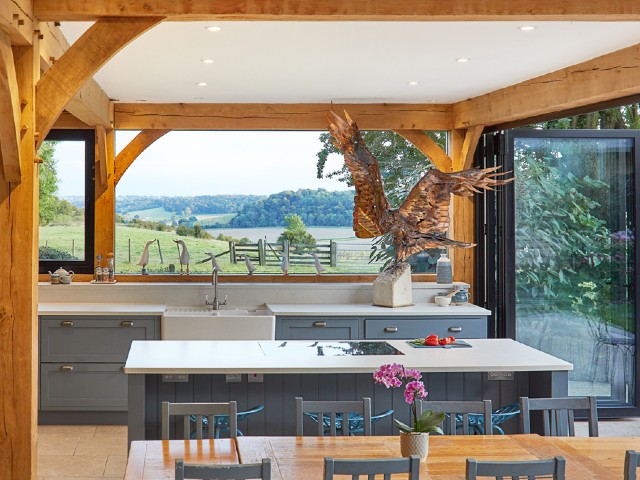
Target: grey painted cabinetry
379,327
82,360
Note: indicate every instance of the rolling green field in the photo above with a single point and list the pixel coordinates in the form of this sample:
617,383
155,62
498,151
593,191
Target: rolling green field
61,237
152,214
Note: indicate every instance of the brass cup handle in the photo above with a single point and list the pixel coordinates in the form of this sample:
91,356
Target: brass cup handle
319,324
66,368
66,323
390,329
455,329
126,323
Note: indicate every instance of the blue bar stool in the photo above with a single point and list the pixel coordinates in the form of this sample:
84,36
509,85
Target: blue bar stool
356,422
498,416
221,422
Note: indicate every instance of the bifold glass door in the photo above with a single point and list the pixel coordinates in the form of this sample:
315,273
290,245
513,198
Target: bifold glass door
573,270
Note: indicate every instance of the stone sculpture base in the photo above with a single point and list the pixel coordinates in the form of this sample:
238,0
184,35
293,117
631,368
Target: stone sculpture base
393,289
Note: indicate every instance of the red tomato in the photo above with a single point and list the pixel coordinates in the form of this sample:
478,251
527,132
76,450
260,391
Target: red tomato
432,342
451,339
443,341
433,335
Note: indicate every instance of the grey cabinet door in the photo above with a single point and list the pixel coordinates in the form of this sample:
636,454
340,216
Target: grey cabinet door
317,328
92,339
83,386
400,328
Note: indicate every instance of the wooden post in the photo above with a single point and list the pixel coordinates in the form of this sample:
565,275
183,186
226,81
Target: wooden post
105,218
73,247
160,253
232,252
261,252
333,253
19,285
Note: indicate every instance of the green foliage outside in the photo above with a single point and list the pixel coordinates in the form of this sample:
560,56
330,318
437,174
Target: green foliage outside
296,233
52,208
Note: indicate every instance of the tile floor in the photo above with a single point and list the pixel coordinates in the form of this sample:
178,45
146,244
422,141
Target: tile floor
82,452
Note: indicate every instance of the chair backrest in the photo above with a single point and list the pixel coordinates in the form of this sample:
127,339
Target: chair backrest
370,467
331,408
630,465
558,416
223,472
454,408
199,410
552,469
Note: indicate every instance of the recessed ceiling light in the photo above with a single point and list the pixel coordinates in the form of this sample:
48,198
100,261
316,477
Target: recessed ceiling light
202,84
413,83
207,60
526,28
198,98
213,29
462,60
141,100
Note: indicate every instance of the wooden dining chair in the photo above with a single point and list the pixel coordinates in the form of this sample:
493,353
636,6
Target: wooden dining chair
334,409
199,410
630,465
223,472
456,410
558,416
369,467
530,469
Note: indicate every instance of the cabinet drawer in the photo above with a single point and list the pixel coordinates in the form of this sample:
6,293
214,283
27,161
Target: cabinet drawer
392,328
317,328
83,386
96,339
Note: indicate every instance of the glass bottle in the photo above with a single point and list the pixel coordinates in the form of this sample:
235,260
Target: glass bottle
443,269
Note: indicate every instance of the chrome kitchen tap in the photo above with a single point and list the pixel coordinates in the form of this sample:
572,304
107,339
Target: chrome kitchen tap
216,302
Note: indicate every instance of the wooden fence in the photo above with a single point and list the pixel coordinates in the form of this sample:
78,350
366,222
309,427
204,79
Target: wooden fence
265,253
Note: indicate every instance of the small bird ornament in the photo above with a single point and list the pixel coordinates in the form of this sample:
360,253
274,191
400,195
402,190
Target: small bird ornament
211,258
250,267
144,259
284,265
183,255
319,267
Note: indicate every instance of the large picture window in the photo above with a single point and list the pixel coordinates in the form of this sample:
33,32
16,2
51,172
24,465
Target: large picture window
269,197
66,200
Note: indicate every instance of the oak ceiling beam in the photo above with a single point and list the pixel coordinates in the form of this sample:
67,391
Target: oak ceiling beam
343,10
278,116
10,113
91,105
134,148
17,20
431,149
608,77
464,159
77,65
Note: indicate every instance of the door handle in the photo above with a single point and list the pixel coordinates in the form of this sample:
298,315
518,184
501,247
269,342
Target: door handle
455,329
126,323
319,324
66,368
66,323
391,329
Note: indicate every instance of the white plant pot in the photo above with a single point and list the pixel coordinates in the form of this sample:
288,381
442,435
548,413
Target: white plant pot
414,443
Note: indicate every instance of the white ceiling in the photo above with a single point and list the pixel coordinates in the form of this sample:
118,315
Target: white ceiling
350,62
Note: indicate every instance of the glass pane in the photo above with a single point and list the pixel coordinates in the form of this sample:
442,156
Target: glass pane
62,200
575,258
256,194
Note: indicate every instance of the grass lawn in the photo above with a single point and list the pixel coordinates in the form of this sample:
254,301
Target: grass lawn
61,237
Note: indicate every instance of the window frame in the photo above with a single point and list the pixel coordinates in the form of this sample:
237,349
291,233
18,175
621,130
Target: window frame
86,265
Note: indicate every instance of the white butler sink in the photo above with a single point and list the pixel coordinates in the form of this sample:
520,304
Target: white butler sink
201,323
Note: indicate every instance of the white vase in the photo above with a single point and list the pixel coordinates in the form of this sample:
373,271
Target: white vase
414,443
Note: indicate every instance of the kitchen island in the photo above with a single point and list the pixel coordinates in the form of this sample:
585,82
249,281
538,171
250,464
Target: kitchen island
273,373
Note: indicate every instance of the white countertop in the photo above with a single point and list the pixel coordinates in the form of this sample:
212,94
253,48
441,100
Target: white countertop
100,309
362,309
206,357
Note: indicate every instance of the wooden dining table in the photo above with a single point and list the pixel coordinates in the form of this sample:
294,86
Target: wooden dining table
294,458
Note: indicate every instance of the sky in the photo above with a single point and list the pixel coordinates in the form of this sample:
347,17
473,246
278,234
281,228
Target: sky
210,163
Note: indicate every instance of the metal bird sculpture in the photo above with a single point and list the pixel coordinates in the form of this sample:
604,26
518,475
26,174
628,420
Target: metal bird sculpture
284,265
250,267
318,264
423,218
183,255
211,258
144,259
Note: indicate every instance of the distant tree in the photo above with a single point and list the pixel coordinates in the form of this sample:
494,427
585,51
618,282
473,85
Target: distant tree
296,232
48,182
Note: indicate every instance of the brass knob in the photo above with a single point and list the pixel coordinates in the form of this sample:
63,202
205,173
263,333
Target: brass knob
66,323
66,368
319,324
126,323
